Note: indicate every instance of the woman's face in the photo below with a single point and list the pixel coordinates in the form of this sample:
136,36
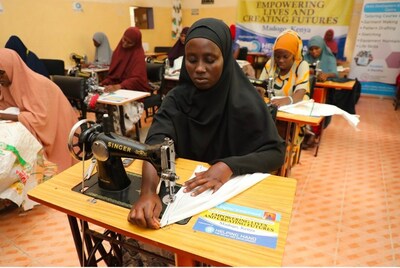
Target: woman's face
283,59
204,62
127,43
315,52
95,43
4,80
182,38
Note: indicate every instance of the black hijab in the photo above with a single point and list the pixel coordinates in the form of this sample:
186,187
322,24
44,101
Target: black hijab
29,57
229,122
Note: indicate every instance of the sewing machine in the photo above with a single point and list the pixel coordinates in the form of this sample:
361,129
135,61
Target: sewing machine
269,92
112,183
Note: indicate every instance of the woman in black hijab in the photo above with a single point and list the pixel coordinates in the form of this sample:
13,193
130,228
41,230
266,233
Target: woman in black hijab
29,57
214,115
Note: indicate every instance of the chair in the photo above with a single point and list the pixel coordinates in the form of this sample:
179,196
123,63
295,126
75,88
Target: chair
155,75
74,88
54,66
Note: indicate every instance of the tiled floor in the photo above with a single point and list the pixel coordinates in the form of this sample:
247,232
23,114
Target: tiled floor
346,211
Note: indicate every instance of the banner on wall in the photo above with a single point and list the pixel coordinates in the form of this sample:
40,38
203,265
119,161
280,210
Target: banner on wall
376,56
260,22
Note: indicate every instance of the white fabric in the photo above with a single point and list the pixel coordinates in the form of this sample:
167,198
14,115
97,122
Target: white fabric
176,68
186,205
312,108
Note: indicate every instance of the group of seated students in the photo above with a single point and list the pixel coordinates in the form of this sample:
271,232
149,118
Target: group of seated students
44,109
213,115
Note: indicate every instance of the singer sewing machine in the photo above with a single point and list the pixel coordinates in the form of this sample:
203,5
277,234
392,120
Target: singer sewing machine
112,183
269,92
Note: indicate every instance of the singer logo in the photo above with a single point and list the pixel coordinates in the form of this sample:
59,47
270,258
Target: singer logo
119,147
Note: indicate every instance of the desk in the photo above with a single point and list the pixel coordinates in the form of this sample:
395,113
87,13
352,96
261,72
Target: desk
332,85
274,194
100,71
95,69
119,98
294,122
159,56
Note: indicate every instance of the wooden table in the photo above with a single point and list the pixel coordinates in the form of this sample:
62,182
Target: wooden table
324,86
272,194
100,71
294,123
156,56
119,98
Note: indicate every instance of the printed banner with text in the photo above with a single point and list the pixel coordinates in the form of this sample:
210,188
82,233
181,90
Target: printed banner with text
376,56
260,22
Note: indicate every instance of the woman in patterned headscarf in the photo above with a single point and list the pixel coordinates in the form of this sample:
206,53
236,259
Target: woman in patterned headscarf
289,70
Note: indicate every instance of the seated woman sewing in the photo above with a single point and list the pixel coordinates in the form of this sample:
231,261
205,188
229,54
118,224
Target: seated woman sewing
288,69
319,54
44,110
290,74
214,115
128,71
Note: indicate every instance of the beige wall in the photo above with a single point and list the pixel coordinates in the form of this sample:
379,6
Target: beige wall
52,29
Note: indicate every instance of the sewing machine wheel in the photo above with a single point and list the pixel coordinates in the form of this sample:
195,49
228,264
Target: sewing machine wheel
74,145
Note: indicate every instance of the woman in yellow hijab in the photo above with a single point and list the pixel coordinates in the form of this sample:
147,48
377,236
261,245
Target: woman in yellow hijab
289,70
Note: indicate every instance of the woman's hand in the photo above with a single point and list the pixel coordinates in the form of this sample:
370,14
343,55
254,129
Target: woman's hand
281,101
322,77
112,88
216,176
146,211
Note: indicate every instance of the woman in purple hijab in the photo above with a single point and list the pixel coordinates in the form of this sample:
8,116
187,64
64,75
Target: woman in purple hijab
179,48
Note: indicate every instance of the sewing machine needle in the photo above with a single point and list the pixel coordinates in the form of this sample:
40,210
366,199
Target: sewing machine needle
90,169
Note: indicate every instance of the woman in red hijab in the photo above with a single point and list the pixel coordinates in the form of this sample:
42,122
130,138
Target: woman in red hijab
128,65
330,42
127,71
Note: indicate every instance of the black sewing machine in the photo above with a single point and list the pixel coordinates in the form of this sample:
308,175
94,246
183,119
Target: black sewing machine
269,92
112,183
